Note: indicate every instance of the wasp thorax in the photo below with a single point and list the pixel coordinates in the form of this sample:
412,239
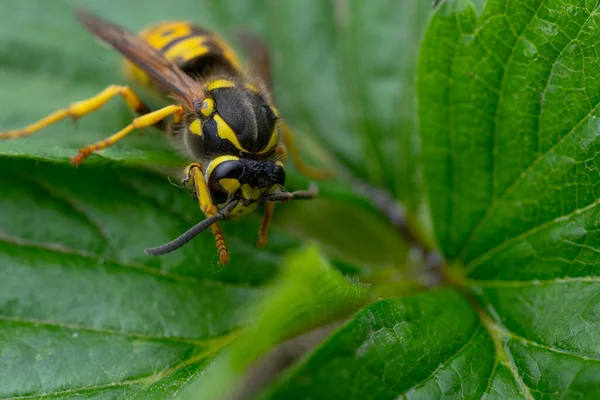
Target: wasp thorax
234,119
247,115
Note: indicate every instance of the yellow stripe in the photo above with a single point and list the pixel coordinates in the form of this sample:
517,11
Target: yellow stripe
228,52
230,184
188,49
248,192
220,83
252,88
274,141
195,127
161,35
275,111
225,132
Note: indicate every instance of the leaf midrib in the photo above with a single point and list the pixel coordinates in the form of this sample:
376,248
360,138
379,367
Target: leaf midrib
470,267
534,282
502,355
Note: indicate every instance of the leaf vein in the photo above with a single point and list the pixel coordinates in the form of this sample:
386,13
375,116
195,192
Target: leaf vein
78,209
535,282
473,264
496,202
63,250
476,331
108,332
500,98
146,380
550,348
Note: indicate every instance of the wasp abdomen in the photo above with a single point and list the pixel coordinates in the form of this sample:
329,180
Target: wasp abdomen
197,51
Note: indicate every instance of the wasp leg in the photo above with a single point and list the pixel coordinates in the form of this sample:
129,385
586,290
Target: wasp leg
290,143
193,177
264,226
138,123
81,108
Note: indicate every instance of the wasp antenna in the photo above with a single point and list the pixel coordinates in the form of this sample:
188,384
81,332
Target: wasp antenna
183,239
311,193
192,233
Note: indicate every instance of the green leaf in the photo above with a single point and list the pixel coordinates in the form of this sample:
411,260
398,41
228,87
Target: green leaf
508,108
509,98
308,292
83,311
394,347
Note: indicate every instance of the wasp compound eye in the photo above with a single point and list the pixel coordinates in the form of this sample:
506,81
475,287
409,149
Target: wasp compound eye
225,177
279,175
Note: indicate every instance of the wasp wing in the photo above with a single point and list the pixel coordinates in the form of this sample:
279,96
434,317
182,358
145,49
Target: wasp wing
162,71
258,54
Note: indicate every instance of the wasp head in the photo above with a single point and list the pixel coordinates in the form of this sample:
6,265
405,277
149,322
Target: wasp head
250,182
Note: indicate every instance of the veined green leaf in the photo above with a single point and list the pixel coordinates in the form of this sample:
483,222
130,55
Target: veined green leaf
508,109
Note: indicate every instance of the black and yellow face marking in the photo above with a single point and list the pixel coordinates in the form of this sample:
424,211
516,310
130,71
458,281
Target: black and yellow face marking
231,178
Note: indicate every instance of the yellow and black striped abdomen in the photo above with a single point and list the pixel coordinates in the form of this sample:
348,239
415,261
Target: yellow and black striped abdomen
197,51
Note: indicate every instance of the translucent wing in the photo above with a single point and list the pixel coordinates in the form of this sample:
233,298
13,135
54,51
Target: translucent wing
258,55
162,71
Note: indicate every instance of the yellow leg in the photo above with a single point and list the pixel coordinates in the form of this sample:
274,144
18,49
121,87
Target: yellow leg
264,226
81,108
138,123
290,143
194,177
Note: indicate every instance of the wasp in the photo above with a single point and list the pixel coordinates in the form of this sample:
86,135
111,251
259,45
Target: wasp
222,115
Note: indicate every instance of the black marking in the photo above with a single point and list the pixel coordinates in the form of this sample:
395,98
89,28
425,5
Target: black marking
206,65
270,113
245,113
209,145
262,174
213,144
